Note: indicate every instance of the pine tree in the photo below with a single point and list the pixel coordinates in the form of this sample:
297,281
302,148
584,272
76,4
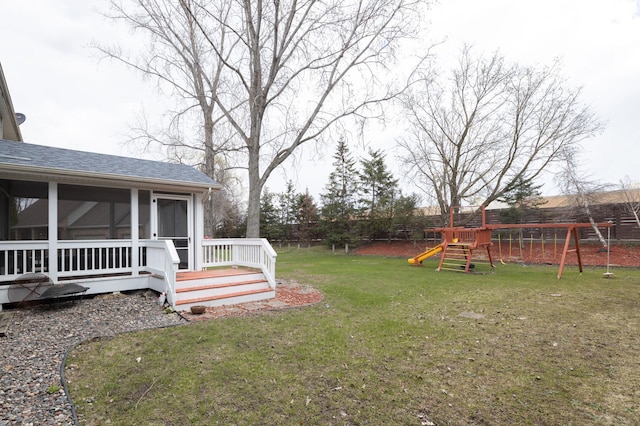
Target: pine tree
288,202
407,220
307,217
270,227
378,192
339,198
522,198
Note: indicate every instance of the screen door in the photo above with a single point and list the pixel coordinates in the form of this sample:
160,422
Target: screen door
174,223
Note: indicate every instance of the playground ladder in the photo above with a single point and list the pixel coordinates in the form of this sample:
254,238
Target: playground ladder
456,257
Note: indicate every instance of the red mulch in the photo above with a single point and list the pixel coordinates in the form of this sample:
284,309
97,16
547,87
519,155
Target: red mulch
550,253
289,294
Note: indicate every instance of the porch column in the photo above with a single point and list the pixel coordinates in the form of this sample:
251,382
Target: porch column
135,234
198,231
53,231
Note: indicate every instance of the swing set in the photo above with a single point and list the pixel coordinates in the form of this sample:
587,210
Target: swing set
459,243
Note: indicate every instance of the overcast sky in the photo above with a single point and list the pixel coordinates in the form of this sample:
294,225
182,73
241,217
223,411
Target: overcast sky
73,100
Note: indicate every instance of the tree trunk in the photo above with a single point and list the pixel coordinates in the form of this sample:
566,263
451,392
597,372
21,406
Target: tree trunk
632,205
635,215
255,189
585,205
253,213
209,214
209,165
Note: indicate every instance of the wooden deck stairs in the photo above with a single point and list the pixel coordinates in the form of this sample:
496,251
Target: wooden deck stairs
217,287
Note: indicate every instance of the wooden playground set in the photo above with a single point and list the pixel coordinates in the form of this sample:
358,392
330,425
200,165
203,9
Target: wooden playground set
459,243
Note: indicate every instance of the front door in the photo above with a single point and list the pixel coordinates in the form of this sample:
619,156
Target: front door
173,222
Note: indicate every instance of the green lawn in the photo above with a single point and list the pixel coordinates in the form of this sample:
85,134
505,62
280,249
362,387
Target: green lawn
389,344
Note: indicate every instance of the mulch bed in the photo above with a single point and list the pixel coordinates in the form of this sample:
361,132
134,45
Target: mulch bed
289,294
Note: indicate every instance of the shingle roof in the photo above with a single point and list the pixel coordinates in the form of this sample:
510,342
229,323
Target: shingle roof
66,161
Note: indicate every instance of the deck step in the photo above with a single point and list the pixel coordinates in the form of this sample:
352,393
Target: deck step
220,285
221,296
5,320
223,286
213,273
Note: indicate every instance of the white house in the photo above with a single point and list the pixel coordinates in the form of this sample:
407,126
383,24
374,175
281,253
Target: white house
95,223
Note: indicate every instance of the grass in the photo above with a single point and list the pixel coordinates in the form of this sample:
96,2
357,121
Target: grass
389,344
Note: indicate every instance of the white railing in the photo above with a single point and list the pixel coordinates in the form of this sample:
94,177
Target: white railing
77,258
249,252
161,259
22,257
94,257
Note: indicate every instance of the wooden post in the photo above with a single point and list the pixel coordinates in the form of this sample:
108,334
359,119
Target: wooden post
577,242
530,248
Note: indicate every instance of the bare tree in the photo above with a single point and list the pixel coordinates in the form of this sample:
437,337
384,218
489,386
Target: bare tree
225,204
631,198
488,127
580,190
180,61
272,74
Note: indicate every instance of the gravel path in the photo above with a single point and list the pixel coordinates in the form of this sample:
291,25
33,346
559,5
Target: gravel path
32,352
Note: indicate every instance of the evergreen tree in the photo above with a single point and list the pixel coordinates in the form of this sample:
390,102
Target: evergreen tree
378,192
407,221
307,217
269,218
288,202
522,198
339,198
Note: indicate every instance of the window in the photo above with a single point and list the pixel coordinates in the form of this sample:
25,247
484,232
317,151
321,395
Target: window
86,212
24,210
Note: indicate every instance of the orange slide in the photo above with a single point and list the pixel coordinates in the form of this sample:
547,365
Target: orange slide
422,256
